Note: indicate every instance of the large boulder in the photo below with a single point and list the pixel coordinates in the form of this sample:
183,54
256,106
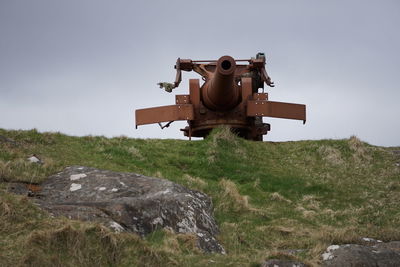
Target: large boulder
130,202
368,253
375,254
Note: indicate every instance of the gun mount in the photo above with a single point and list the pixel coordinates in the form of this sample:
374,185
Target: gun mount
229,96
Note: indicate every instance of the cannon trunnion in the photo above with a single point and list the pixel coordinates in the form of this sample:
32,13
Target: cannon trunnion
229,96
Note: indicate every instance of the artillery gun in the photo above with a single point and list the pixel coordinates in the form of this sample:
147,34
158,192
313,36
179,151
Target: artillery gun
229,96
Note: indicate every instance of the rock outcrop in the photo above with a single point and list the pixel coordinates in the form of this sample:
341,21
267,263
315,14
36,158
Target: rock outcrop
368,253
376,254
130,202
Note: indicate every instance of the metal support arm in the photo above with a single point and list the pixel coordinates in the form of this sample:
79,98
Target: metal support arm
276,109
164,114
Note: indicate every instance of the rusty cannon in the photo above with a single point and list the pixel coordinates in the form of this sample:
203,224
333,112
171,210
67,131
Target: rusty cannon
232,94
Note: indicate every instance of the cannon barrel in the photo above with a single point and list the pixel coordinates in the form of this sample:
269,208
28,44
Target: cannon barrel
221,92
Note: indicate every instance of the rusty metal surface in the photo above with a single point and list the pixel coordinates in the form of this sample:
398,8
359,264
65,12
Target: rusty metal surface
229,96
276,110
194,88
164,114
246,89
260,96
221,92
182,99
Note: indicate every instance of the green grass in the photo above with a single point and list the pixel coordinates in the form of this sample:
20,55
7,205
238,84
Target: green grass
268,198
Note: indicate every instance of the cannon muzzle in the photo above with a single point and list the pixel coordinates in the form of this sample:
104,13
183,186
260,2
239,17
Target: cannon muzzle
221,92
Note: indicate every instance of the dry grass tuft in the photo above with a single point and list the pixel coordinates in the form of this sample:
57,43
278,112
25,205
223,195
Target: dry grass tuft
256,183
189,241
386,234
223,134
75,243
158,174
170,243
241,151
308,198
306,212
195,181
331,155
335,235
174,243
309,213
5,170
311,202
328,212
21,170
283,255
135,152
231,196
355,144
6,209
211,156
232,199
278,197
360,152
284,230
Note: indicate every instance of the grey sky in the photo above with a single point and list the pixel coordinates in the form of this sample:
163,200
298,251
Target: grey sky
83,67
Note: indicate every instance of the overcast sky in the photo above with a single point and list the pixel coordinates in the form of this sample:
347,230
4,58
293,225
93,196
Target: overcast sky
83,66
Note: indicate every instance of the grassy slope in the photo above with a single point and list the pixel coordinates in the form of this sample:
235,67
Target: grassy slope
268,198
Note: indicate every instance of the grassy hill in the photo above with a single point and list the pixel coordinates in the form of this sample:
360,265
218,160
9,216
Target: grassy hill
269,198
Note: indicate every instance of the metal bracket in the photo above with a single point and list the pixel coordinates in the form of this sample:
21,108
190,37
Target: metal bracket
166,125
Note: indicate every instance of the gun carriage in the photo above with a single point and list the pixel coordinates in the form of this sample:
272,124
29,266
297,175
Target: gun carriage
232,94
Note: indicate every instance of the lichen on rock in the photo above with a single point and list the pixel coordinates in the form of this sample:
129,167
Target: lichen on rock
130,202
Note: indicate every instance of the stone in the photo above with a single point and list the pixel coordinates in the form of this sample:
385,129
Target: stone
130,202
378,254
34,159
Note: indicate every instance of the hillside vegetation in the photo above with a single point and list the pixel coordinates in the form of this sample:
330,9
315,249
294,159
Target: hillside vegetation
269,198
